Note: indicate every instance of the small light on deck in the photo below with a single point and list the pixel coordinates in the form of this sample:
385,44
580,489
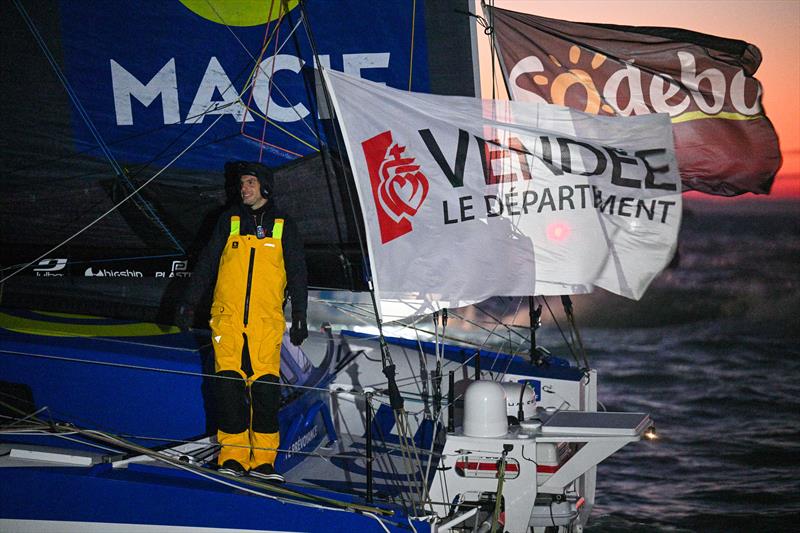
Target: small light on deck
650,433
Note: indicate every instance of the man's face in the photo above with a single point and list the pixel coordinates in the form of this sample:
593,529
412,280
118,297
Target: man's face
250,189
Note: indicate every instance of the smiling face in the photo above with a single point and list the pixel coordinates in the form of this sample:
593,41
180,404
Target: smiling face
250,190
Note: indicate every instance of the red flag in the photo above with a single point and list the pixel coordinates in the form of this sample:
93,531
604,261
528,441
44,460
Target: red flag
725,144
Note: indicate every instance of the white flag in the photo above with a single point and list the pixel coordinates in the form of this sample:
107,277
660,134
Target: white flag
465,199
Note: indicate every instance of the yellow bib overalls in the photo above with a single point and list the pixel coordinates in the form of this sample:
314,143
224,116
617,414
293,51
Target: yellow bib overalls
247,326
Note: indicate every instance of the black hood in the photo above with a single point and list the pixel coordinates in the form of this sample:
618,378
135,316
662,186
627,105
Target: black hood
234,170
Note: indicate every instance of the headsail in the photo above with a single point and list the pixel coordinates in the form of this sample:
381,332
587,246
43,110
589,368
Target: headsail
465,199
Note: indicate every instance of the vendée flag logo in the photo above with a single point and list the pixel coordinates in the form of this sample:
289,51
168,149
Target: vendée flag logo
398,185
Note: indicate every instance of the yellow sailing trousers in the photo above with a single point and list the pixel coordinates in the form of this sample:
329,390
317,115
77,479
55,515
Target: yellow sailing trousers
247,326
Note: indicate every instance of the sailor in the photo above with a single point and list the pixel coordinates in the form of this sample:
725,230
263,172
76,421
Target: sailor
257,256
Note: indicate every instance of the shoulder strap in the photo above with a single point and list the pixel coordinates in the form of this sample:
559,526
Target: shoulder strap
277,229
235,225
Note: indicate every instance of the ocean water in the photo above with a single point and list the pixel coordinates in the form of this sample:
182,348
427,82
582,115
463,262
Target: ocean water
712,353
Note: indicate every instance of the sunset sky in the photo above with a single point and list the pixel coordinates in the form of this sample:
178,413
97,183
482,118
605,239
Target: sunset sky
772,25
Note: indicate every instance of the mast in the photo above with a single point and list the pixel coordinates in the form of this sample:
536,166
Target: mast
396,401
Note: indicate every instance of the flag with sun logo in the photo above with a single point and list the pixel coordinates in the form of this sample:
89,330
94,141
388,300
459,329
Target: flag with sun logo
724,142
464,199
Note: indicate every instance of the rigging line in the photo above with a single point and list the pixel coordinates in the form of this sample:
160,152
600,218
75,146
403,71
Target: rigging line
513,351
420,471
148,132
131,137
499,322
502,344
436,423
355,310
42,429
31,416
312,500
263,143
67,87
113,208
257,60
424,374
421,383
282,129
493,55
461,341
76,154
576,335
65,436
195,117
479,326
496,59
361,317
236,37
385,355
380,522
411,458
561,331
411,53
251,79
126,342
485,342
271,77
388,464
157,369
118,170
89,443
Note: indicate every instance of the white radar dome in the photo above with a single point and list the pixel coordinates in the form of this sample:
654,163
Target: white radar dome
528,397
485,410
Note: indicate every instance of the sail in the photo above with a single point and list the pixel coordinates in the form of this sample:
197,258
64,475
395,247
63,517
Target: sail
725,143
465,199
102,97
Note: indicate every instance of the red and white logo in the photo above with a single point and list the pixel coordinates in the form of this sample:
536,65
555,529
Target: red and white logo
398,186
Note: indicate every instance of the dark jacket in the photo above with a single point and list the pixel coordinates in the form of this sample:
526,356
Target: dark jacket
205,272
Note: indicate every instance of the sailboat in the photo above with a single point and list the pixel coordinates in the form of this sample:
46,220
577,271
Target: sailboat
393,426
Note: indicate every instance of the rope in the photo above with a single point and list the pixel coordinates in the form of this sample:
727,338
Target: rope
411,53
251,77
159,370
311,500
118,170
271,77
410,395
115,207
561,331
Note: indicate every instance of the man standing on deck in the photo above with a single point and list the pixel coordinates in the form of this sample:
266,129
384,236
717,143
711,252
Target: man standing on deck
257,256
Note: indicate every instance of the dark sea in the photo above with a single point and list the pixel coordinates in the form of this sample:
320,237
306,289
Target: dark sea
712,353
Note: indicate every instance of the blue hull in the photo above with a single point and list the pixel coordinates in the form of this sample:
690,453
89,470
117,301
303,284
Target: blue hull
163,497
147,383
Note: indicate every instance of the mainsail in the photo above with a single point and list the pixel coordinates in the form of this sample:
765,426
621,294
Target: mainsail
174,89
